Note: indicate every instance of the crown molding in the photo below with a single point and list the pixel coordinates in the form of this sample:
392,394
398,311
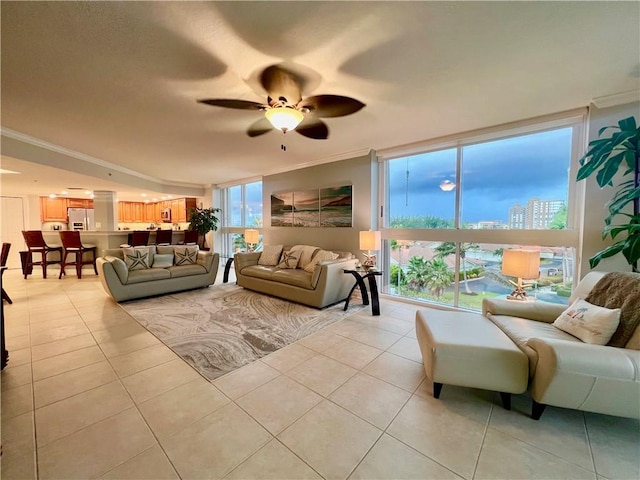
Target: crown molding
21,137
617,99
361,152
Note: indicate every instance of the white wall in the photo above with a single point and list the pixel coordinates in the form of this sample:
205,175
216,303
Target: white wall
360,172
596,199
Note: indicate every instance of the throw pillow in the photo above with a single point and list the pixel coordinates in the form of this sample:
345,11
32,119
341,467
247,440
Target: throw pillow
270,255
162,260
289,260
305,253
137,258
187,255
589,323
321,256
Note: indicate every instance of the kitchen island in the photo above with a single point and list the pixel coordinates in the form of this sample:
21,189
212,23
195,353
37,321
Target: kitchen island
107,239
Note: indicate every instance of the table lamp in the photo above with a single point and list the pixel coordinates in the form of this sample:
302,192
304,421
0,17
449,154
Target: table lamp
251,238
370,240
522,264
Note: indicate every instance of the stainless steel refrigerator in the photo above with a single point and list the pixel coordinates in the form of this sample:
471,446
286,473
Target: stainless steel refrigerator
81,219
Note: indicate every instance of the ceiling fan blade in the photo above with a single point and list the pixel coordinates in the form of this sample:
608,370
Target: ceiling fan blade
313,129
331,105
282,84
259,127
238,104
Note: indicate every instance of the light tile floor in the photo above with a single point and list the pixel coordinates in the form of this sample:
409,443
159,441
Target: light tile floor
88,393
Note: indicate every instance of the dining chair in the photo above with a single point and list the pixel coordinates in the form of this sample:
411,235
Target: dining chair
163,237
71,243
3,263
36,244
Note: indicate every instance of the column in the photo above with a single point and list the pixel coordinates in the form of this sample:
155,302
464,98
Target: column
105,210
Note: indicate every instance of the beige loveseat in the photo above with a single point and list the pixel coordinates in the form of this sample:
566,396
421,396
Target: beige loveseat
324,285
123,284
564,371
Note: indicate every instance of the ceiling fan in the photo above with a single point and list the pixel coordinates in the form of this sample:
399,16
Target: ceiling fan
286,110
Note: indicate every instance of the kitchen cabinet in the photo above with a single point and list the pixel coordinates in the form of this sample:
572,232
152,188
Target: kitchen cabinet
180,209
139,212
53,209
125,212
79,203
149,213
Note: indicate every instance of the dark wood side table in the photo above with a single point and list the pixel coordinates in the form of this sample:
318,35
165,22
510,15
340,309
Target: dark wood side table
227,267
3,351
360,274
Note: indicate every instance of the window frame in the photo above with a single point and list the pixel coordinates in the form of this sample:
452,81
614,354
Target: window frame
571,236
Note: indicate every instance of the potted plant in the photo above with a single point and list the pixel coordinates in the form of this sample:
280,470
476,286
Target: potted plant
607,156
203,221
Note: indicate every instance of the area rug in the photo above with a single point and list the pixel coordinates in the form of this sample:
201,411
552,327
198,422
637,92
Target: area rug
224,327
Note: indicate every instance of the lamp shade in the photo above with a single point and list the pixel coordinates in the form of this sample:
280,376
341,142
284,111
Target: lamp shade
251,236
284,118
370,240
521,263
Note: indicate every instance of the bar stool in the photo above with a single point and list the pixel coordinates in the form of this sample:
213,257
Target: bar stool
72,244
36,244
163,237
138,238
3,263
190,237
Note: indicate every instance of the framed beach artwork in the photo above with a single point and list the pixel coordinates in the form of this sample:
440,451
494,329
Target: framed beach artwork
324,207
282,209
306,208
335,206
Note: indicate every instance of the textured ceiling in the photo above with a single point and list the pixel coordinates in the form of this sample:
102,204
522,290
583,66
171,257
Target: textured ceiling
119,80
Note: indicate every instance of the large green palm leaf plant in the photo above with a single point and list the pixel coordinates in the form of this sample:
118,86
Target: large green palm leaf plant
607,156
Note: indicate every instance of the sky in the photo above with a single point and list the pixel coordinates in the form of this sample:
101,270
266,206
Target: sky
495,176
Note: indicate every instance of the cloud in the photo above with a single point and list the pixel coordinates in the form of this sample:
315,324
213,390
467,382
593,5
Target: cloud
495,175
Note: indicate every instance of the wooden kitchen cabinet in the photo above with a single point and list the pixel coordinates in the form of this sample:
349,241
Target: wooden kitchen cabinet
53,209
180,209
79,203
149,212
138,212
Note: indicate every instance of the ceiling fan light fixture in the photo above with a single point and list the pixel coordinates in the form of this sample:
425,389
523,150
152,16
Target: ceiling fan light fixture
284,118
447,185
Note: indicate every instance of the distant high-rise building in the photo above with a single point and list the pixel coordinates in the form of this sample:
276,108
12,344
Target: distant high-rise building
489,225
536,215
517,214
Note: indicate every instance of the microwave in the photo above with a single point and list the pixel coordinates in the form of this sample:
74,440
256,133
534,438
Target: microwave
165,215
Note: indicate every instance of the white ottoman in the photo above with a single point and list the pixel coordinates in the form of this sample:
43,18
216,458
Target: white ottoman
467,349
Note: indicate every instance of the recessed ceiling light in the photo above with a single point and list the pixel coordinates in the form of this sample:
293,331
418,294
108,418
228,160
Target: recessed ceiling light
154,199
64,192
146,201
163,198
52,195
3,171
143,194
87,192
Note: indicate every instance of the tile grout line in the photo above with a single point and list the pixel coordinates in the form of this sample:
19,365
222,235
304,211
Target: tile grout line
484,437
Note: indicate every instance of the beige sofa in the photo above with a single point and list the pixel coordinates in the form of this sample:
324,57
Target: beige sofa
564,371
326,285
122,284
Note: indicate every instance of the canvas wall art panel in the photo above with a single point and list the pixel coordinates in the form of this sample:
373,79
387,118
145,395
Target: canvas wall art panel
336,207
282,209
306,208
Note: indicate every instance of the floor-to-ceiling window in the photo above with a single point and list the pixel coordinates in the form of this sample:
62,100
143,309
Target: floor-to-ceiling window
241,209
453,207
